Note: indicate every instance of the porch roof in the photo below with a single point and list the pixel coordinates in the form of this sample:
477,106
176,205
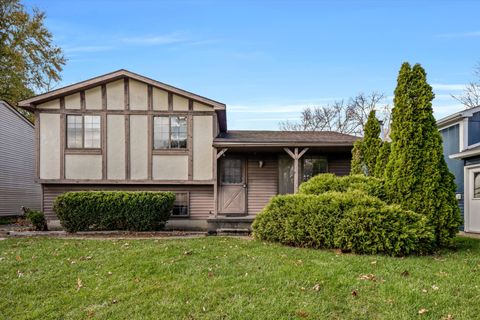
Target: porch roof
260,138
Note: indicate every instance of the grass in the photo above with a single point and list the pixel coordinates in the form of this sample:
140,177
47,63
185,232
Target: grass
230,278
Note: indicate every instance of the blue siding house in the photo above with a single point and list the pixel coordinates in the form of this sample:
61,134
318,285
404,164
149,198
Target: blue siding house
461,147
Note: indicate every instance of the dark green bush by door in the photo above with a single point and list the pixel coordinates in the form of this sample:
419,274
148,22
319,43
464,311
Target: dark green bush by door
113,210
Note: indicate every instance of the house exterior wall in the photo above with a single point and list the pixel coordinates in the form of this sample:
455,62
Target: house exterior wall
49,145
17,163
262,182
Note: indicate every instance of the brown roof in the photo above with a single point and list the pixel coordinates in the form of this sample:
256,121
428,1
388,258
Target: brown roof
283,138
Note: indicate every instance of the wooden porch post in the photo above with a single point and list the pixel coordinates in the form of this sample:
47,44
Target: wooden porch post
217,155
295,156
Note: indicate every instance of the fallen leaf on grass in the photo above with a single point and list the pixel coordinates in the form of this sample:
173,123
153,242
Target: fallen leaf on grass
373,262
405,273
369,277
2,258
85,258
354,293
188,252
109,273
302,314
434,287
316,287
18,258
424,290
79,284
19,273
448,317
422,311
210,274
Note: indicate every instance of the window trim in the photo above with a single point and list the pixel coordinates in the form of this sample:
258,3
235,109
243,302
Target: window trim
83,149
169,149
187,193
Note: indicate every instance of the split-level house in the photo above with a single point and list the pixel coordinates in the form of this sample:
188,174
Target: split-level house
461,145
124,131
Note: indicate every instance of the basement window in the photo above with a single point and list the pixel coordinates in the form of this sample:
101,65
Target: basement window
180,206
83,132
170,132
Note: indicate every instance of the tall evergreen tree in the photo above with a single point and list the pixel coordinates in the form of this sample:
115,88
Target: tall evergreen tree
382,159
365,151
416,175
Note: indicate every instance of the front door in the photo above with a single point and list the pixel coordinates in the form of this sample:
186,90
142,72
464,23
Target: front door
233,188
473,198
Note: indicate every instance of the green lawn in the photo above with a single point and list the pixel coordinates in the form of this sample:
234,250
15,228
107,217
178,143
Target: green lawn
230,278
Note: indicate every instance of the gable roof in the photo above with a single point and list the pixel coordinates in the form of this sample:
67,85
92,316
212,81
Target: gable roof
457,116
119,74
15,111
283,138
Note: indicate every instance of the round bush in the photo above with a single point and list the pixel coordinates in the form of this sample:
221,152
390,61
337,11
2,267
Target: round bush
389,230
113,210
330,182
308,220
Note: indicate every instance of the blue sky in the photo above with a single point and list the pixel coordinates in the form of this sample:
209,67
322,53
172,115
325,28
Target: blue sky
267,60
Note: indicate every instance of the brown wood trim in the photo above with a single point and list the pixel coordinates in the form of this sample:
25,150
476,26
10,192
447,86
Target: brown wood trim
103,144
150,142
104,97
215,182
82,101
190,105
84,151
221,153
170,152
123,181
133,112
190,146
170,102
150,98
37,144
127,147
126,86
113,76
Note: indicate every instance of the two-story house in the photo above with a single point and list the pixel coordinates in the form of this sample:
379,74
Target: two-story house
461,146
124,131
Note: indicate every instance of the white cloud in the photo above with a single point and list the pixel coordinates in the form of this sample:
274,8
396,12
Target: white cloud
451,87
170,38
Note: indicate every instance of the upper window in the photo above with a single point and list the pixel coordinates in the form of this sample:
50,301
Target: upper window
83,131
476,186
170,132
474,129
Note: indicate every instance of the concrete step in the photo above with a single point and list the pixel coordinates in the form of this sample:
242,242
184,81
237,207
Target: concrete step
232,232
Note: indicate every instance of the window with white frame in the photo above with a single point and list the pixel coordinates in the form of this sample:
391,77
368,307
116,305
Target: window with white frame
180,206
170,132
83,132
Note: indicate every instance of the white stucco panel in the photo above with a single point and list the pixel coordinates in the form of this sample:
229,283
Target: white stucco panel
202,147
72,101
93,98
160,99
84,166
138,95
170,167
49,146
52,104
138,147
197,106
115,95
180,103
116,147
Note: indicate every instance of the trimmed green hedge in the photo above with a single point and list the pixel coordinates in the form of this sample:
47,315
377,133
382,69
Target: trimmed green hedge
349,218
329,182
113,210
389,230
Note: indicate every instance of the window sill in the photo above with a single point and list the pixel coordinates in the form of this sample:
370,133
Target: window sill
169,151
84,151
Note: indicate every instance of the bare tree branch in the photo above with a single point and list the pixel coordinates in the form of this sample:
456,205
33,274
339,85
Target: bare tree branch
470,97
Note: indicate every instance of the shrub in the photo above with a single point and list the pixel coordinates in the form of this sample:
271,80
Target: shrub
113,210
37,218
388,229
330,182
308,220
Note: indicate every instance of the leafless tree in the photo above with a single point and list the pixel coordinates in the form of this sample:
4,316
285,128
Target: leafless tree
340,116
470,97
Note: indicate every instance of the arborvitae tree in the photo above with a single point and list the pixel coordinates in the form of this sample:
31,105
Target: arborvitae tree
371,143
382,159
416,175
356,166
365,151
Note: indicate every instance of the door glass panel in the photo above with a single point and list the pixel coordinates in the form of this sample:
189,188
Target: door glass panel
476,185
232,171
285,175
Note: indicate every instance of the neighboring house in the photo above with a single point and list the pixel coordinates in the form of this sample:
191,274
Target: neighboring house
461,145
17,163
123,131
